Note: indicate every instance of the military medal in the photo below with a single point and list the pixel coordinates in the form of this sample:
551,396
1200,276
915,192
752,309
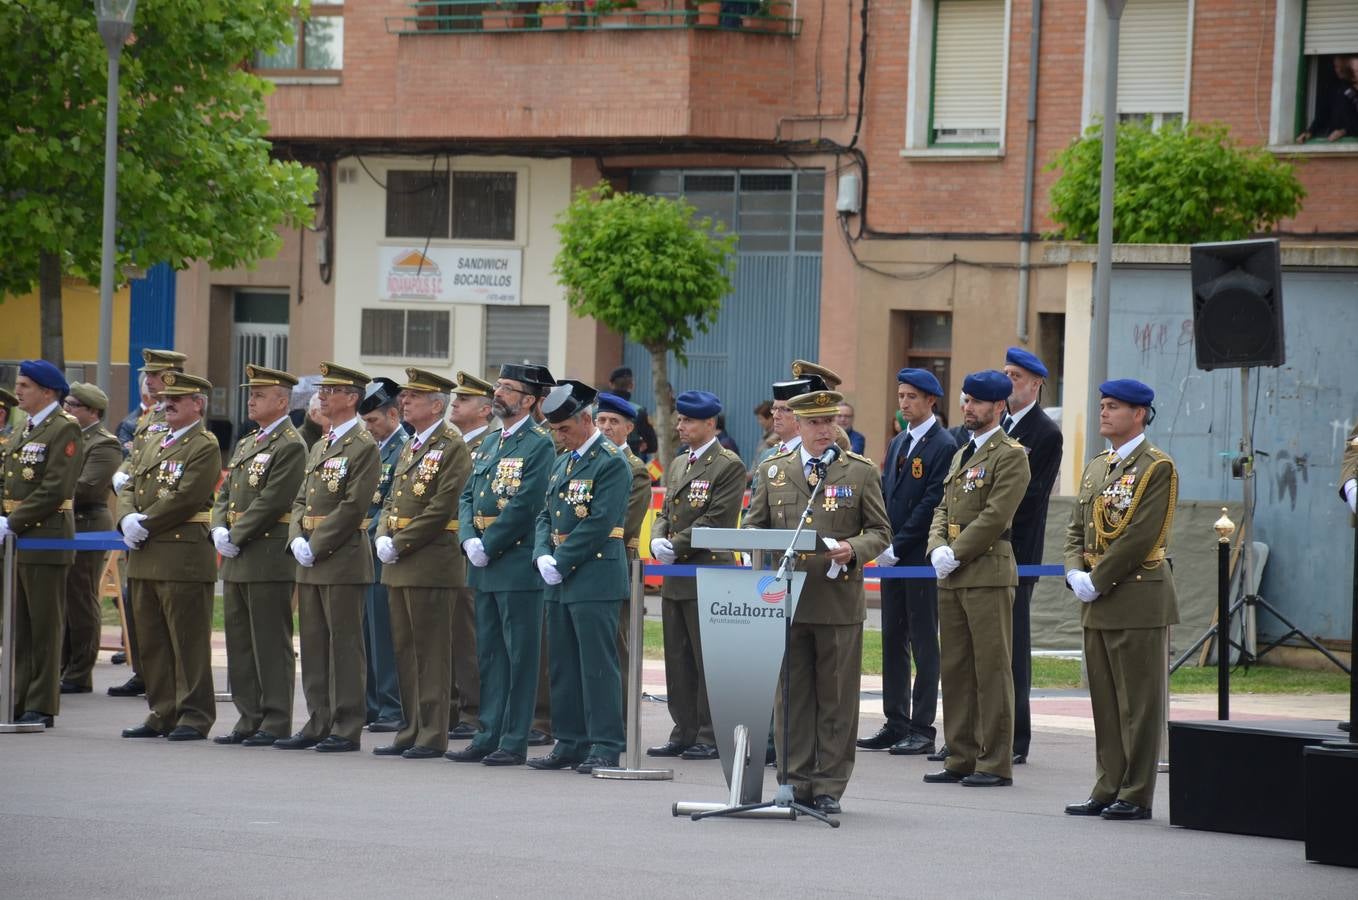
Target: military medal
917,467
418,488
578,493
581,510
28,473
698,492
974,479
813,478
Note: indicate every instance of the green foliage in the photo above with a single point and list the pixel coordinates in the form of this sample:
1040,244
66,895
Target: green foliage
195,176
1173,186
643,266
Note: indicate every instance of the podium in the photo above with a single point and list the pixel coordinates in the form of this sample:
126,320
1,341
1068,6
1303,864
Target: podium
742,619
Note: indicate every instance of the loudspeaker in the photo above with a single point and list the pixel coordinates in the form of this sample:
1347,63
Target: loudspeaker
1237,304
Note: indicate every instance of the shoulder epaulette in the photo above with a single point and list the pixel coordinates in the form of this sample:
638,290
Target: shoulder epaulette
539,429
67,416
1012,443
781,455
860,457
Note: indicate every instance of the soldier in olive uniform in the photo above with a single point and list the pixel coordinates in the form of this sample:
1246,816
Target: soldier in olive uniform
580,553
417,544
102,457
329,539
8,404
825,663
704,488
969,547
164,514
497,517
1116,565
41,464
250,519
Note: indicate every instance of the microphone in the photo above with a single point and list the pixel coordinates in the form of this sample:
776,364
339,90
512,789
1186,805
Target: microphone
830,455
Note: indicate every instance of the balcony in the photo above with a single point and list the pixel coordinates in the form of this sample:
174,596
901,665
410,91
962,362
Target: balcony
770,17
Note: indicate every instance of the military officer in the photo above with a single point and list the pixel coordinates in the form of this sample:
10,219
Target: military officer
8,404
704,488
806,377
497,520
417,544
969,547
825,663
580,554
381,414
1116,565
86,404
41,464
1348,472
164,514
250,531
328,538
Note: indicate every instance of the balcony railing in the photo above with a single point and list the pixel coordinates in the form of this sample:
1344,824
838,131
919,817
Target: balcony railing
487,17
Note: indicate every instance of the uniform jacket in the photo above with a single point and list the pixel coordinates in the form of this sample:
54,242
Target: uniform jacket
912,494
337,488
389,454
103,455
420,514
848,508
40,473
507,489
150,431
705,494
127,428
1137,496
1041,437
173,486
638,502
581,525
979,500
1349,467
255,504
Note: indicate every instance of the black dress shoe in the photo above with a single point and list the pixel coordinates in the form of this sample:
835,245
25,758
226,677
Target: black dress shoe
142,731
884,738
986,779
235,737
1090,807
391,750
118,659
595,762
384,726
462,731
700,751
944,777
941,755
336,744
669,748
467,754
503,758
1122,811
36,718
260,739
538,738
770,757
1020,759
914,745
553,761
70,687
185,733
298,741
132,687
418,752
827,804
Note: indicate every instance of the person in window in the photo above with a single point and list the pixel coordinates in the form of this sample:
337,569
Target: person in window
1337,109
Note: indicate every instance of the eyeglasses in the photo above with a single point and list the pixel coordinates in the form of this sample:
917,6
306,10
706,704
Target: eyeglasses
509,388
327,390
72,403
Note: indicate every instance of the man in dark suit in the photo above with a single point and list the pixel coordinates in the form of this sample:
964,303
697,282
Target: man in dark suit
1027,423
912,484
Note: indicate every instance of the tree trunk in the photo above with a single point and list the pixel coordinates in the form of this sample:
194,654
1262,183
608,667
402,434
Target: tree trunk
664,403
49,302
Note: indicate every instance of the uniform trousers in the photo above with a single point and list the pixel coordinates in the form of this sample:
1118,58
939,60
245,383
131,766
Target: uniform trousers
334,671
1022,667
1127,670
174,632
685,683
421,633
825,663
910,629
542,708
464,695
978,686
38,630
259,660
508,646
84,622
383,694
586,689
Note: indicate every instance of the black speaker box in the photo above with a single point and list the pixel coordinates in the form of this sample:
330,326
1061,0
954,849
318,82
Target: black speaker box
1331,798
1237,304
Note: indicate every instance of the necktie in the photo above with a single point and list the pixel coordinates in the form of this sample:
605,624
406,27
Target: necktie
905,453
692,457
968,452
330,437
417,444
1007,422
782,448
570,464
1112,460
261,436
28,427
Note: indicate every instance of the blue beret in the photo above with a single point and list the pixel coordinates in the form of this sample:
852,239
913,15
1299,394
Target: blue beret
615,404
1128,390
698,405
42,372
1017,356
989,385
922,379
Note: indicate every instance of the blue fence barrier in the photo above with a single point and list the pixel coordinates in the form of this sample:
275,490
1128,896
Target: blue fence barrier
86,540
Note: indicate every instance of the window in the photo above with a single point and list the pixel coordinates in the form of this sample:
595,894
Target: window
408,333
481,206
1153,54
515,334
317,43
958,78
1310,36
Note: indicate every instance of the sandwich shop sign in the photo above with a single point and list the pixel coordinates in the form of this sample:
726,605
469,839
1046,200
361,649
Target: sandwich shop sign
450,275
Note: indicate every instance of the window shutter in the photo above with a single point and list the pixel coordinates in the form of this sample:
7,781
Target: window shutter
1152,56
968,70
1331,27
515,334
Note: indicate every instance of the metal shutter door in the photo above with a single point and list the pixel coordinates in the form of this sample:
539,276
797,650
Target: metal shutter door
515,334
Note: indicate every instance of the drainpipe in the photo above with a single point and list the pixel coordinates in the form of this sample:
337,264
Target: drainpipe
1029,175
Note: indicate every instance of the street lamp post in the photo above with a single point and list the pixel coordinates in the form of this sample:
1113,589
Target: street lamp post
115,24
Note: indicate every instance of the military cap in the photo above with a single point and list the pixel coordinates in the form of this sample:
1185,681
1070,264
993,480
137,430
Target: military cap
615,404
1017,356
989,385
90,395
568,398
380,393
43,373
181,384
1128,390
7,399
530,374
341,376
426,382
259,376
698,405
162,360
828,379
816,404
786,390
469,385
922,379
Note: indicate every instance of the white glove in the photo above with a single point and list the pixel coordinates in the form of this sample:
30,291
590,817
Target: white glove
4,527
221,538
301,551
887,557
663,550
1351,494
120,480
944,561
133,531
547,568
1082,585
386,550
476,552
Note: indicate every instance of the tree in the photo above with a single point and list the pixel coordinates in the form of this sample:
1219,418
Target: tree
644,267
195,177
1173,186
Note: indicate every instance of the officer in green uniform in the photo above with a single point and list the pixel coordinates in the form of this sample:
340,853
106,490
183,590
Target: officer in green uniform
1116,565
497,516
103,455
328,538
969,548
164,514
704,488
417,544
381,414
41,464
580,554
250,530
825,663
